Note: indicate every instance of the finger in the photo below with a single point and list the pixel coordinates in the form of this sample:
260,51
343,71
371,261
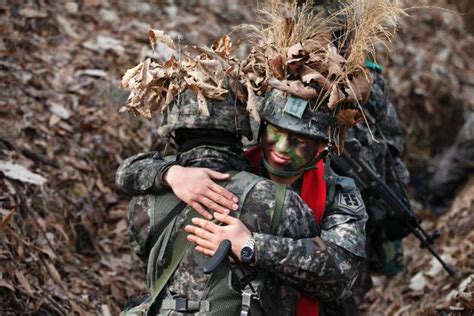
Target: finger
205,251
216,174
205,224
198,232
211,205
224,193
202,242
222,205
201,210
192,238
224,218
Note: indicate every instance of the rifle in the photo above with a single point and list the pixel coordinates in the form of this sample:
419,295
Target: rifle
356,168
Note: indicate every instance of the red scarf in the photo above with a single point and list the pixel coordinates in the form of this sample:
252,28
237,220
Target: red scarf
313,192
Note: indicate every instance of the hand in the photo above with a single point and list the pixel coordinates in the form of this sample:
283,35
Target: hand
194,186
207,236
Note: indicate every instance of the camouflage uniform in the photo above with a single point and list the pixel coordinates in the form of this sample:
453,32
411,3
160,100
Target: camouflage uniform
452,168
381,225
383,122
292,257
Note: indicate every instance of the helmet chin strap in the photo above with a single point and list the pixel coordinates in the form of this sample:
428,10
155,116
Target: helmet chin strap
280,173
309,166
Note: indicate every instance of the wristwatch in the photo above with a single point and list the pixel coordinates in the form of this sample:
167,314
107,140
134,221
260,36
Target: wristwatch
247,251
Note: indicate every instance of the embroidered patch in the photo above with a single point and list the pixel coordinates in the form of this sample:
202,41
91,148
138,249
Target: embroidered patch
295,106
351,202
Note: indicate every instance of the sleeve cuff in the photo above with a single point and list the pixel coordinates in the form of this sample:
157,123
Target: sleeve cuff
259,254
159,178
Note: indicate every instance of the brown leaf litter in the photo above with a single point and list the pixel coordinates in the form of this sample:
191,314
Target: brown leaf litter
64,247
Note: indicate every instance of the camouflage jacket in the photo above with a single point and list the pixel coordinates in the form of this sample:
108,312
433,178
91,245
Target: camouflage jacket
452,167
388,143
384,125
323,273
383,122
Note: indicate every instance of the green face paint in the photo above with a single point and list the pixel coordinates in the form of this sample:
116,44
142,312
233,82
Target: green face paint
285,150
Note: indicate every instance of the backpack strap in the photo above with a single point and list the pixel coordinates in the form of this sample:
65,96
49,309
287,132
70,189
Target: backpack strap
245,193
180,246
277,210
163,223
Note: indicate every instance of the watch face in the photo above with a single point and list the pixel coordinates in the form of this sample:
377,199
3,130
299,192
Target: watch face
246,253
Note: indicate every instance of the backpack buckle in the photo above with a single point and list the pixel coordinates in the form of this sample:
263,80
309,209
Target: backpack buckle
181,304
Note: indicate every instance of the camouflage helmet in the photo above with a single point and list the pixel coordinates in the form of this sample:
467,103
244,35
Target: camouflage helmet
295,114
228,115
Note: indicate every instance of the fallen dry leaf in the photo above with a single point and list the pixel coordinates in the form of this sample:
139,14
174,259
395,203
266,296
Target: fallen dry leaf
156,36
5,284
24,282
7,218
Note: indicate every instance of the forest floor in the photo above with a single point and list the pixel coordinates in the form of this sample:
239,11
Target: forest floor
63,225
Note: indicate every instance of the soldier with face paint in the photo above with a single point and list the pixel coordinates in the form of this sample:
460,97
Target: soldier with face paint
289,152
299,117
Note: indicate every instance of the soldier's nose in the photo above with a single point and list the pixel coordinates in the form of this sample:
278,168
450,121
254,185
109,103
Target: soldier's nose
282,144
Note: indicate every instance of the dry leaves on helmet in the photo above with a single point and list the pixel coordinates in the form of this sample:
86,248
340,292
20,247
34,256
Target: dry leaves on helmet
349,117
336,96
223,47
252,104
311,56
308,74
254,68
293,87
154,85
277,67
296,57
293,42
202,104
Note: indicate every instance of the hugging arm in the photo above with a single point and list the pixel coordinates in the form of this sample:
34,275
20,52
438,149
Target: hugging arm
320,269
323,267
141,174
318,266
149,173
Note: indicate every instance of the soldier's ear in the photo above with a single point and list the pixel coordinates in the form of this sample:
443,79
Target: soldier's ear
261,129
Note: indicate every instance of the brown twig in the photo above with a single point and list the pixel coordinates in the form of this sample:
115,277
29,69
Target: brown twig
33,214
28,153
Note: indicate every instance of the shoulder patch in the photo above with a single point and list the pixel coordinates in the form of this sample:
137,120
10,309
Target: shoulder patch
350,201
